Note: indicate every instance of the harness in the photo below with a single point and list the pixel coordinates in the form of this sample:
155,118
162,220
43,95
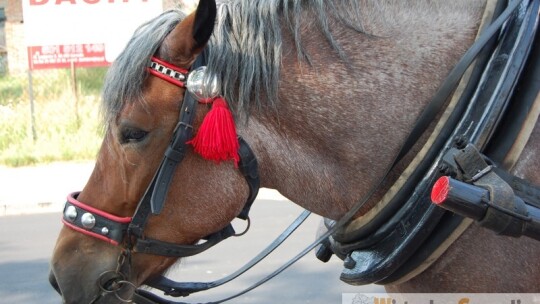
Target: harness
395,242
410,232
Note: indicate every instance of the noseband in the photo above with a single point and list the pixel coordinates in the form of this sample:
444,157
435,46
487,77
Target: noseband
129,231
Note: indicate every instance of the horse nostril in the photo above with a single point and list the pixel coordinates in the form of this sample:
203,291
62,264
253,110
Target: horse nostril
54,283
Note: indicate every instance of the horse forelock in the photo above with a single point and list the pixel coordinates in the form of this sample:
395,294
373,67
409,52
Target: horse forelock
125,77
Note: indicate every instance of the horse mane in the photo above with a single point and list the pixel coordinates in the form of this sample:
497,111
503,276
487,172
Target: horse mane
248,37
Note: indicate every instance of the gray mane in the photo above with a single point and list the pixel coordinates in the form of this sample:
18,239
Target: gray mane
245,49
248,38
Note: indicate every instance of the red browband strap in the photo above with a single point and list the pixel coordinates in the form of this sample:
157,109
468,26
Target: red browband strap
168,72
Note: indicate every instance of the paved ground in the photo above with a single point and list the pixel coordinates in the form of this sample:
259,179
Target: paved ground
29,190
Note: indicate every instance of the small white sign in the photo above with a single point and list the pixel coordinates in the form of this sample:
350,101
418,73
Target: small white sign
86,22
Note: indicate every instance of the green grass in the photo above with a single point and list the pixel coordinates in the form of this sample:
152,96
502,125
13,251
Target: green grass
59,135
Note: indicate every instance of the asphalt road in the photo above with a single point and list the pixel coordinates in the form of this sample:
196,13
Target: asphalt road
26,244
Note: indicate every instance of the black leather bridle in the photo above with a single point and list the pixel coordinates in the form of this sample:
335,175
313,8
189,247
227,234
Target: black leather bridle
129,231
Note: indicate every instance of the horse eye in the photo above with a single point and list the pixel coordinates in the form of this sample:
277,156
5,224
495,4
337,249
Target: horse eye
132,135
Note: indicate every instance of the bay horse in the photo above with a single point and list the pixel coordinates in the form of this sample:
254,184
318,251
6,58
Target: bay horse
324,92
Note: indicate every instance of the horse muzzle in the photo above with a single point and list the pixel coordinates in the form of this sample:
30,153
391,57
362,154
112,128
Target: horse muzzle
112,288
54,283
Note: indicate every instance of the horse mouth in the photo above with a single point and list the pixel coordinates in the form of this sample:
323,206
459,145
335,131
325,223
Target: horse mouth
54,283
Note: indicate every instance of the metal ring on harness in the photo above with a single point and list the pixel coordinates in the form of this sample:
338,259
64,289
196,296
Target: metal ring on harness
248,225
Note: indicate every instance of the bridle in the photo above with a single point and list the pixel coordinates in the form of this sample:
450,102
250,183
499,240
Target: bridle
129,232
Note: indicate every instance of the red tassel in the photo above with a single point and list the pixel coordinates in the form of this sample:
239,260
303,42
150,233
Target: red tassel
216,139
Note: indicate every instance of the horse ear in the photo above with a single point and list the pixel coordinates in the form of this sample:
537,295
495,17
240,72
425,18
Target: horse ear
203,26
191,35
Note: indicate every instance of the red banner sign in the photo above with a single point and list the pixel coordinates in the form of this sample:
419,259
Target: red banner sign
62,56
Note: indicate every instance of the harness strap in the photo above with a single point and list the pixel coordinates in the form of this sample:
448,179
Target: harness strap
177,149
522,188
151,246
249,167
154,196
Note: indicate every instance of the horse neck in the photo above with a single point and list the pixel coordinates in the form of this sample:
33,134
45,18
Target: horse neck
340,124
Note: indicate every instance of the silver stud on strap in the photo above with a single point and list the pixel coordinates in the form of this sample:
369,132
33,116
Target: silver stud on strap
88,220
70,213
104,230
202,85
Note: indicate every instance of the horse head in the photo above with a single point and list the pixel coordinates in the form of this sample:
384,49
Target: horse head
140,123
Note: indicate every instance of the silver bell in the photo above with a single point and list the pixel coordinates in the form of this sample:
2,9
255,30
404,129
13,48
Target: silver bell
88,220
70,213
202,85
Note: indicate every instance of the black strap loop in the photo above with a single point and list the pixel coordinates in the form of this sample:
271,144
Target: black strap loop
250,169
151,246
175,155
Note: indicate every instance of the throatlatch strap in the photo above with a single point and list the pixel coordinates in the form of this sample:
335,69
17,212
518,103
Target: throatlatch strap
250,169
151,246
